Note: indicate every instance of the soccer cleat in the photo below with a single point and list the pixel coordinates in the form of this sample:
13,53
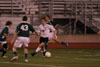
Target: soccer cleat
65,44
26,60
14,58
4,56
33,54
44,53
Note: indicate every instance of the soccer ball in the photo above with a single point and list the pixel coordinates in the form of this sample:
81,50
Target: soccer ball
48,54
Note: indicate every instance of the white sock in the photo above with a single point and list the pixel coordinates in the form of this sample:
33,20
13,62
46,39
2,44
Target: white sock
44,50
38,49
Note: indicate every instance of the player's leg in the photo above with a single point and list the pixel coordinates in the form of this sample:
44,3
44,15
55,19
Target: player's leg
15,54
26,54
1,49
38,48
26,42
17,44
4,50
45,48
61,42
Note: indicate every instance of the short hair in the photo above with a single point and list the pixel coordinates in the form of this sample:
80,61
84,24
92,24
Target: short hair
48,16
43,18
8,23
24,18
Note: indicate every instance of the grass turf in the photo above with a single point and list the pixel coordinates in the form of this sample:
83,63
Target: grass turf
60,58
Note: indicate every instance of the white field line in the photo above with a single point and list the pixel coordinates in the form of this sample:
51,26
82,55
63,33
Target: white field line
30,64
86,59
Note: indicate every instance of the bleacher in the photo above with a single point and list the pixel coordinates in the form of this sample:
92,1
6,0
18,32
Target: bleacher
17,7
57,9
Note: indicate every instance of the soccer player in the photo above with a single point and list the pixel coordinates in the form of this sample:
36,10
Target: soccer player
4,39
22,33
51,34
44,33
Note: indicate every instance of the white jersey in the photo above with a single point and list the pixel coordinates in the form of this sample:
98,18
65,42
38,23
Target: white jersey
45,30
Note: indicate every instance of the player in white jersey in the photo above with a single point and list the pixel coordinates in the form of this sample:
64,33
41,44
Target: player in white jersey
44,30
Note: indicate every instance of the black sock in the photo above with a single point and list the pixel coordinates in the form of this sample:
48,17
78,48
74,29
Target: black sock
26,55
33,54
46,46
63,43
15,53
44,53
4,52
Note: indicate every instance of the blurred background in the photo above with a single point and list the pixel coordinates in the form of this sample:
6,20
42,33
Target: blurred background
73,16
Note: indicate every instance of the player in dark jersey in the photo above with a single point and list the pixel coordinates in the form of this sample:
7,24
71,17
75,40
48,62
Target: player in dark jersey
50,36
22,33
4,39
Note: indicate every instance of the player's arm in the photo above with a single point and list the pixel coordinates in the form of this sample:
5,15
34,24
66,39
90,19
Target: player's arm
33,30
56,25
5,35
38,31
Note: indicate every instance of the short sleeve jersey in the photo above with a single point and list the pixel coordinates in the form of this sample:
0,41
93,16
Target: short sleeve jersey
45,30
24,30
4,31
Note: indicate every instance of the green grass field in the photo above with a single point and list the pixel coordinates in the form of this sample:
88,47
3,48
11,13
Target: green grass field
60,58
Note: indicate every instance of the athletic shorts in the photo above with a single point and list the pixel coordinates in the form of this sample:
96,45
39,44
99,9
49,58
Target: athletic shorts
44,40
4,44
22,41
51,36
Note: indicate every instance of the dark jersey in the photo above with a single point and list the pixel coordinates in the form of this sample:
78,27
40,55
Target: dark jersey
4,31
51,23
24,29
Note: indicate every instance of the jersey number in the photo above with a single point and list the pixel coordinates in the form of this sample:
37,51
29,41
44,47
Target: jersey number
24,27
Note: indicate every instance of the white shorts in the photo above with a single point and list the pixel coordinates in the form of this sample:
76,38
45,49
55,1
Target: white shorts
22,41
3,42
51,36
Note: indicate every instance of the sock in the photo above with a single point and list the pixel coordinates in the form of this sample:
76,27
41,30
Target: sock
4,52
45,48
63,43
38,49
15,53
46,45
26,55
44,53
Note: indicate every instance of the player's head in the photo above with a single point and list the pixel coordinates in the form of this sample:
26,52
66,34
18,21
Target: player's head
24,18
9,23
47,17
43,21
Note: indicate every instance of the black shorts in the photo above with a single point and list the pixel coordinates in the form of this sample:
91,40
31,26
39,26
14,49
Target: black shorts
44,40
5,46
